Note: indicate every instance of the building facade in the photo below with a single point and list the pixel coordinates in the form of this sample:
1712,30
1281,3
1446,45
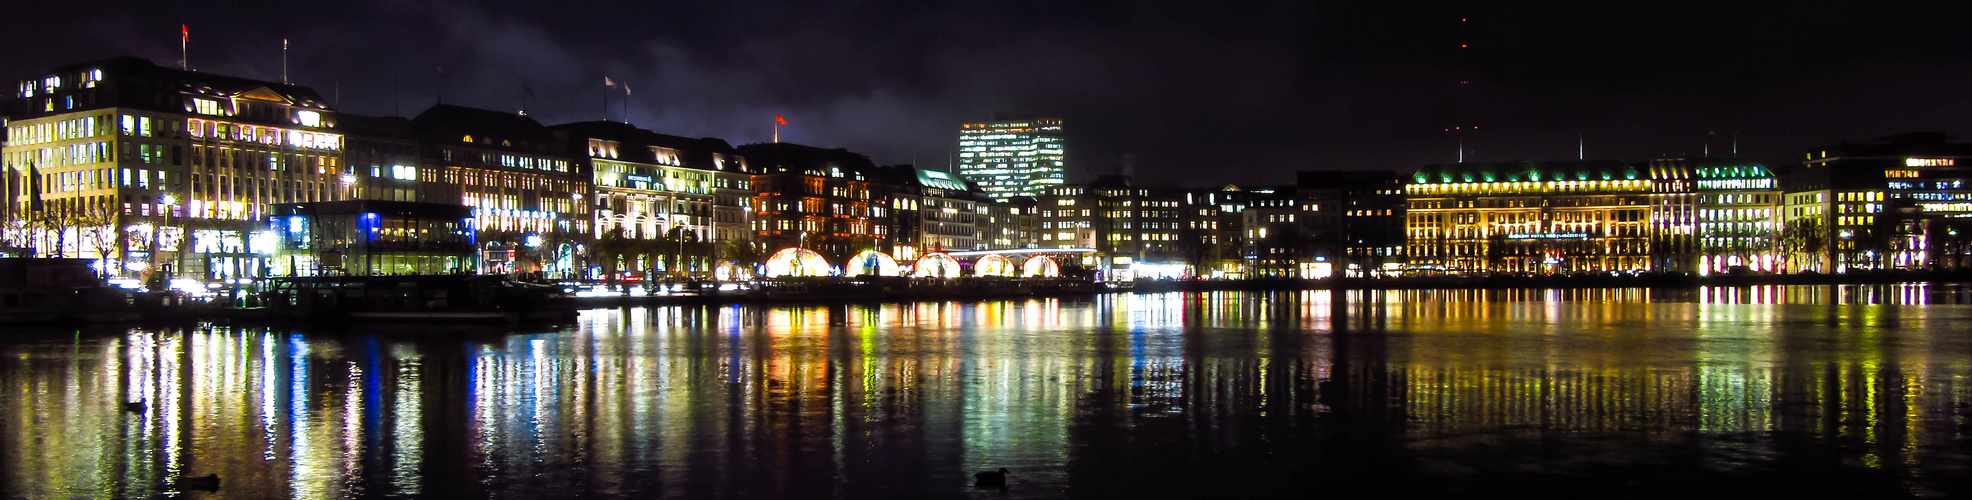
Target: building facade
1212,231
1900,203
372,238
830,201
1355,221
1273,242
530,200
1012,158
1527,218
161,171
656,204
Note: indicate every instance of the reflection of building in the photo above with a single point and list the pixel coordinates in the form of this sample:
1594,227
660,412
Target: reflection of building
1012,158
1904,203
125,156
1529,217
528,198
373,237
832,201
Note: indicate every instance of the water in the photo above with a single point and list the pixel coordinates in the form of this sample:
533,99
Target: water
1616,393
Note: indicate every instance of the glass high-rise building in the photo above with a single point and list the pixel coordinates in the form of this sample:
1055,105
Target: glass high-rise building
1012,158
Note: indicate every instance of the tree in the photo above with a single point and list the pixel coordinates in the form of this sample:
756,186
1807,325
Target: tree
610,249
742,253
1805,236
97,226
52,224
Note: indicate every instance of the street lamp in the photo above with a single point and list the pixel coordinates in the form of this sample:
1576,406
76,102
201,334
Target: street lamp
165,203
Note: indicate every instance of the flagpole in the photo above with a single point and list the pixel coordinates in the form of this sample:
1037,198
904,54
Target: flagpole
184,47
777,131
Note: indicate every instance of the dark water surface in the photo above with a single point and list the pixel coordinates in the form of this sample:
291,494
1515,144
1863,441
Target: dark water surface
1630,393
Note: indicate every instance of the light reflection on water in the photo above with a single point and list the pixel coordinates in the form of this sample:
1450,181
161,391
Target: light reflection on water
1399,391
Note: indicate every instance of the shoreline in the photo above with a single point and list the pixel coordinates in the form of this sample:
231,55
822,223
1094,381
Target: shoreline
193,313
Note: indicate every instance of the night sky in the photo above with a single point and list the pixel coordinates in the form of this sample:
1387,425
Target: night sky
1178,92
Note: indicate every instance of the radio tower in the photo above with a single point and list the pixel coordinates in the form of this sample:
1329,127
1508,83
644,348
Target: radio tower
1458,93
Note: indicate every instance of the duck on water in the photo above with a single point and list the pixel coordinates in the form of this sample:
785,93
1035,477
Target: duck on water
991,479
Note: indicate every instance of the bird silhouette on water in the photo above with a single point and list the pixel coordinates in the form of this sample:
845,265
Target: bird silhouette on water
208,482
991,479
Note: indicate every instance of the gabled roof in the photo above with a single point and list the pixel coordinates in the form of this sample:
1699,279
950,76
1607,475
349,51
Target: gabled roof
450,124
789,157
131,78
634,143
389,127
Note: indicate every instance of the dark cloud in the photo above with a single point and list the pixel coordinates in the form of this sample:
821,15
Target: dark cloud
1190,92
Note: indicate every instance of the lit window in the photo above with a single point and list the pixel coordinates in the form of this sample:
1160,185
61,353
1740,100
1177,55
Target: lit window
206,106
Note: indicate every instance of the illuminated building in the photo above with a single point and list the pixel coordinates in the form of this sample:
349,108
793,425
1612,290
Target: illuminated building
1143,227
116,159
1211,231
372,237
1673,217
1273,239
658,192
382,154
529,199
1902,203
1529,218
1354,221
1067,217
1135,230
831,201
1012,158
1710,215
935,211
1006,224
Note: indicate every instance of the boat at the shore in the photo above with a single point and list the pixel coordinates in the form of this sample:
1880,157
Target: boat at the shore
434,298
41,290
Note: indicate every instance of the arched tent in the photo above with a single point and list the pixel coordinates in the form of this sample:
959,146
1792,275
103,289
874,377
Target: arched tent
797,262
871,262
993,265
936,265
1040,265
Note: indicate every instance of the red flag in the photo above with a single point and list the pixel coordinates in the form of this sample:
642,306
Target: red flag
778,119
186,31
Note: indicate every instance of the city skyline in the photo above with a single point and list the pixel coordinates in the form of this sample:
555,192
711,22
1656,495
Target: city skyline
1332,87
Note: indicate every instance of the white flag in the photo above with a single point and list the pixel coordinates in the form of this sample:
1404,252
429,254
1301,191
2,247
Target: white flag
626,88
608,83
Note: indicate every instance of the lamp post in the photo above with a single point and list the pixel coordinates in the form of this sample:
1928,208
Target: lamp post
165,203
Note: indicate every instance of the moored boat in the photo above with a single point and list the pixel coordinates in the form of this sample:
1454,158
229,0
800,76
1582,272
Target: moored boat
436,298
